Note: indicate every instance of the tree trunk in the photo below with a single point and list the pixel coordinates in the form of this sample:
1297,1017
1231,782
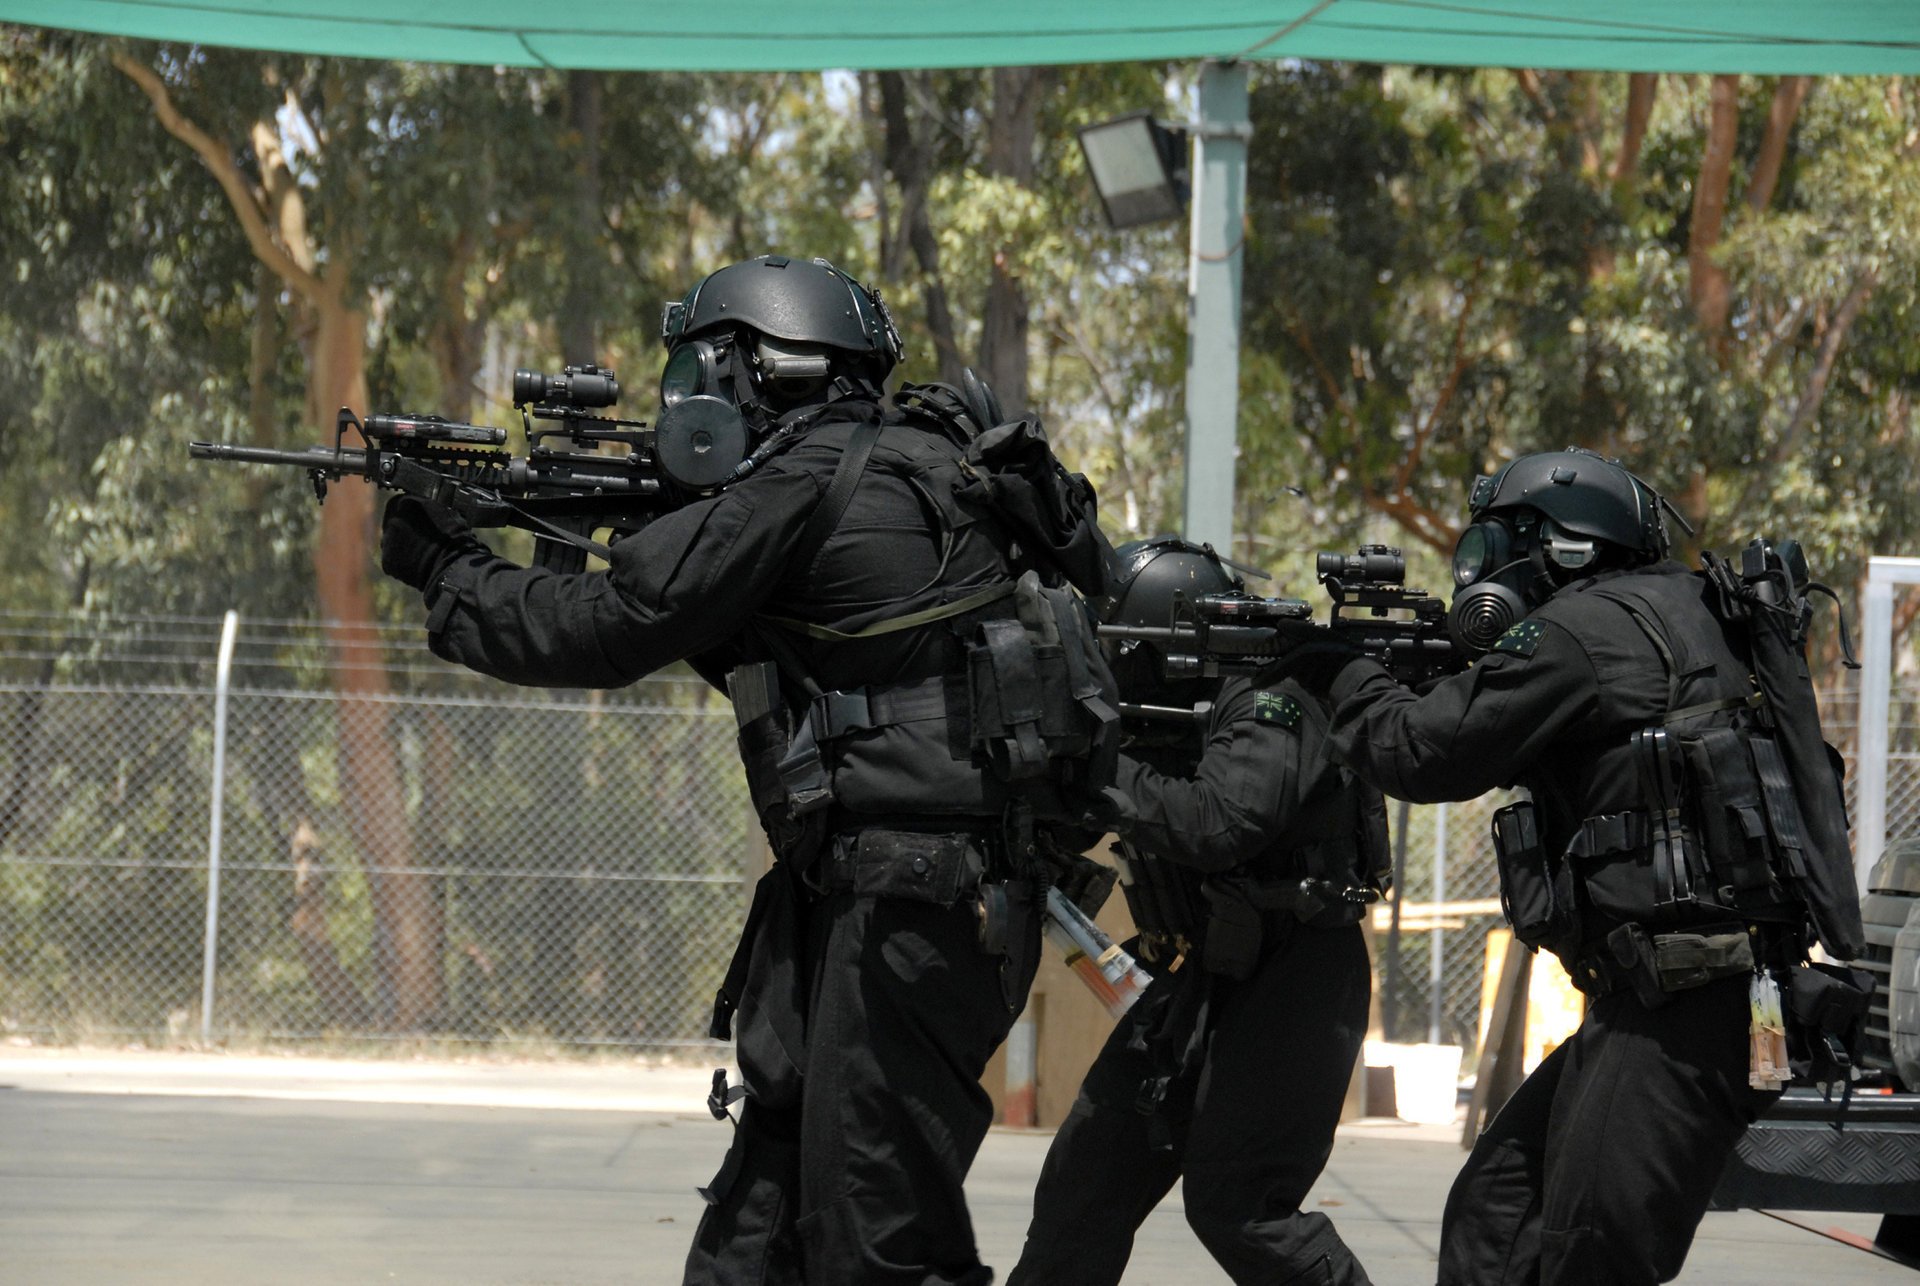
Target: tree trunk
264,355
271,209
457,335
406,912
1640,91
1003,330
1707,280
1583,94
1831,343
580,312
1787,99
906,160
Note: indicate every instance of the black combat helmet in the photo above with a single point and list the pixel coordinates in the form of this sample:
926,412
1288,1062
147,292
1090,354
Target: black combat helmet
1145,576
1584,494
751,347
800,301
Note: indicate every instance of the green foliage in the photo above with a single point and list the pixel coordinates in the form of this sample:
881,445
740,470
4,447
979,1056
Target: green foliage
1449,274
1442,270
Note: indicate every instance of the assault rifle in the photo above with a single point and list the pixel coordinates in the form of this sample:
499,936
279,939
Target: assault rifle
564,496
1373,612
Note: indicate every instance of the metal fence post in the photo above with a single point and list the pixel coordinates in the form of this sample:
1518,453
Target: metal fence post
223,672
1438,962
1876,707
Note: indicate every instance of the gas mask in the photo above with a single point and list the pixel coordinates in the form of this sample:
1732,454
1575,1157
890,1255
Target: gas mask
714,395
1505,566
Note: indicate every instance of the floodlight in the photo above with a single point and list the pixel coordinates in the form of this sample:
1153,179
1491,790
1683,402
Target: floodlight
1139,167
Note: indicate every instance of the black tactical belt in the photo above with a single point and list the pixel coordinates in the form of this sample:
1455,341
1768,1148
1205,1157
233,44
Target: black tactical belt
1310,900
1657,964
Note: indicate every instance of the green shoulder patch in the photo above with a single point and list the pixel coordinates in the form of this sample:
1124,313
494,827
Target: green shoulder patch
1277,707
1522,639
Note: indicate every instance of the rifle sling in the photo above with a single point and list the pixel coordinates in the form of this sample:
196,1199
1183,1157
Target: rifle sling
926,616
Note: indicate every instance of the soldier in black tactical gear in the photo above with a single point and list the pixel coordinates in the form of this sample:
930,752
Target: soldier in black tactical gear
871,580
1619,689
1247,858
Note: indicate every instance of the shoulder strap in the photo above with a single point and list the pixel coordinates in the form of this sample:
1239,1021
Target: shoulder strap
833,505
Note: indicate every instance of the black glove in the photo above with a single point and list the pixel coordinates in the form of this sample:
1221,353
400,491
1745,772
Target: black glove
417,537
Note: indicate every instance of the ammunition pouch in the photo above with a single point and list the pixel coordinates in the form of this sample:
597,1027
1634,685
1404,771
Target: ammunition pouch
1040,699
1084,882
1235,932
1747,815
1245,914
1724,838
882,750
1655,965
788,785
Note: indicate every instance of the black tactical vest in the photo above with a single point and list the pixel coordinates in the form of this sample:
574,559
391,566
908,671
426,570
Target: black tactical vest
1328,866
1715,836
1026,709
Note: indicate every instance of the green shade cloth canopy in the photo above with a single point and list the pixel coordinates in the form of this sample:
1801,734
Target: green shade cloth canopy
1761,36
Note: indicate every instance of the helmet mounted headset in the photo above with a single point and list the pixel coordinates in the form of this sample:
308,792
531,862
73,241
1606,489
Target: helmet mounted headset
1540,521
755,347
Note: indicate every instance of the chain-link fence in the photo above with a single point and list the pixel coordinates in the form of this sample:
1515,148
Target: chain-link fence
445,857
484,864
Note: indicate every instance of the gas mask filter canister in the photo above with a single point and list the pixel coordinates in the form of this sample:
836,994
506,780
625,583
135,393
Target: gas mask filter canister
1485,605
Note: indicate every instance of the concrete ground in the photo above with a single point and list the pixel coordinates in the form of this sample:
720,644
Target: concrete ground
214,1170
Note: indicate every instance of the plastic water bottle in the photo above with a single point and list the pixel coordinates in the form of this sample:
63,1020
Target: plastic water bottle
1112,975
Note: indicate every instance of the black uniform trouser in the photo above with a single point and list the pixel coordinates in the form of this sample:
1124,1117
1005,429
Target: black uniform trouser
1250,1135
1601,1165
864,1109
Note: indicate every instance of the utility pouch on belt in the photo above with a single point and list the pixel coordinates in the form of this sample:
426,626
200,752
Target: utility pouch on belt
1656,966
1536,889
912,865
1233,934
1826,1009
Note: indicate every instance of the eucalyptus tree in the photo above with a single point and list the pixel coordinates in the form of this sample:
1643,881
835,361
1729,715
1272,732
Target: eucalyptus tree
1712,278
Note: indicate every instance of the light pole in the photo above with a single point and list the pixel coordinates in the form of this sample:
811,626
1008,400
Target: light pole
1130,159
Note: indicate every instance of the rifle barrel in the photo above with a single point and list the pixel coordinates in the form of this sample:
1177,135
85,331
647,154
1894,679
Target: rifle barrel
1224,640
347,459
